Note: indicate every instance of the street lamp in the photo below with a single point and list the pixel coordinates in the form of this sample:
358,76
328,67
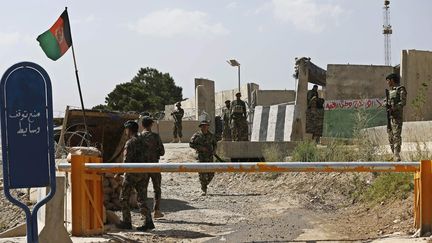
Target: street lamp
235,63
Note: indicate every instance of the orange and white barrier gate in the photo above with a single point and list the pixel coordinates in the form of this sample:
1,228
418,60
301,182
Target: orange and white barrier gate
87,201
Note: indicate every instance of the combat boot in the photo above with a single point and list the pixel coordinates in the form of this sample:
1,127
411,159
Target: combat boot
179,140
158,214
204,191
174,140
147,226
124,225
397,157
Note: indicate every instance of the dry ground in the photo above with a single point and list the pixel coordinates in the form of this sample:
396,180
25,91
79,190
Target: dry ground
296,207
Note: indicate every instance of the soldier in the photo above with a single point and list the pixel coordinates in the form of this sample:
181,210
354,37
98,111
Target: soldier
153,148
204,143
226,133
238,120
177,114
395,103
133,153
312,93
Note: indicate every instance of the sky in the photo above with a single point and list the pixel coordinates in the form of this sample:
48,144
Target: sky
194,38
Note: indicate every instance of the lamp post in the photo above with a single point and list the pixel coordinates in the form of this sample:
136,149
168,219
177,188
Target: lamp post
235,63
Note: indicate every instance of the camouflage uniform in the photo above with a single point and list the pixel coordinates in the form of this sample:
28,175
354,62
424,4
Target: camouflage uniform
315,118
310,94
201,142
226,125
177,128
153,148
133,153
396,102
239,123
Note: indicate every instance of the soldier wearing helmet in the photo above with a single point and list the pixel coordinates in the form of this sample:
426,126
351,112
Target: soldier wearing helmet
238,119
204,143
395,102
133,153
177,114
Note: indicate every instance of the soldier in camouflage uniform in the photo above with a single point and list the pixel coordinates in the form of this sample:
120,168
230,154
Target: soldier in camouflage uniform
177,114
395,104
238,119
153,149
204,143
133,153
226,133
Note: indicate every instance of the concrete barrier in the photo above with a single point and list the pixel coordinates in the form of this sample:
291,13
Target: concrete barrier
412,132
51,216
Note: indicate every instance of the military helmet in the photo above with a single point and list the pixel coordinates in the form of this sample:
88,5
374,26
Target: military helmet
393,76
178,104
146,121
227,102
133,125
238,94
204,122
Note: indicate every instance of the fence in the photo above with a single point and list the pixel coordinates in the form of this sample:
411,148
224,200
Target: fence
85,174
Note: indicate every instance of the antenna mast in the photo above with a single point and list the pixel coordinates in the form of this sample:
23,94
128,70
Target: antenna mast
387,31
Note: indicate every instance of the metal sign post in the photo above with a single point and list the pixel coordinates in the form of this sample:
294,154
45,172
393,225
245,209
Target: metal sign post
26,118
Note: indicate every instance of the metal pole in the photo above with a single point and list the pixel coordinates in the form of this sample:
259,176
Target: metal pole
250,167
239,77
79,87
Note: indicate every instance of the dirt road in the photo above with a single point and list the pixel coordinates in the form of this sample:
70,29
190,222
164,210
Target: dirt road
232,211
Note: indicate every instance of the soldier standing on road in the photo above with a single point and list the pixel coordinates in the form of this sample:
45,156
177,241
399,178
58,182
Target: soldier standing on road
153,149
238,119
204,143
177,114
133,152
226,133
395,104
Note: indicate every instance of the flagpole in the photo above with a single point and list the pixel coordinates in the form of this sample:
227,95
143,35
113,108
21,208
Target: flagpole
79,87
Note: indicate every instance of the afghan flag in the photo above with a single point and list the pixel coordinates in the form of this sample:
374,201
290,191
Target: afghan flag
57,40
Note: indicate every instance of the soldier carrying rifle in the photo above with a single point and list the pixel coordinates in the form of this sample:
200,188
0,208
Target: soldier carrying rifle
395,101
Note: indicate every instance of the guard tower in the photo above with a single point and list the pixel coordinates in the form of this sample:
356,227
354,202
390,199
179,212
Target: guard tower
387,31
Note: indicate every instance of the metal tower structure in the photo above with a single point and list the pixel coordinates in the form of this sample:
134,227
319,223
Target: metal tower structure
387,31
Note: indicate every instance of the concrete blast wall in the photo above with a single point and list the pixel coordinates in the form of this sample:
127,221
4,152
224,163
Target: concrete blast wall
348,82
416,72
205,100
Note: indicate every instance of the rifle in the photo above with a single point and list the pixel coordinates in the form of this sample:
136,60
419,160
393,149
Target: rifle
388,107
218,158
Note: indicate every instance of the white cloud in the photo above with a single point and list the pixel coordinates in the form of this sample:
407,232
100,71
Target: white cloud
232,5
172,22
7,39
307,15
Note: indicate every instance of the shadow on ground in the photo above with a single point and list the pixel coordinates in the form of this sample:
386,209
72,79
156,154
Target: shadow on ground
163,221
181,234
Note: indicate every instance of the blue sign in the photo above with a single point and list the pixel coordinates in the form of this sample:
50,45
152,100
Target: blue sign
27,135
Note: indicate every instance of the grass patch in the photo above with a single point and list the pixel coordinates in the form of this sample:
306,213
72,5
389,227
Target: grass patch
305,151
390,186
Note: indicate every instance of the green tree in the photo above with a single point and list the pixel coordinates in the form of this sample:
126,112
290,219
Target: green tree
149,90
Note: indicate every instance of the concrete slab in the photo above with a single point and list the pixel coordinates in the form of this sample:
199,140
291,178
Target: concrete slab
19,230
251,149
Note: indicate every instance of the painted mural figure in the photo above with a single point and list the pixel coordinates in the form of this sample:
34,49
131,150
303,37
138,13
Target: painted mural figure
238,118
153,150
226,133
204,143
177,114
314,114
394,103
133,152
